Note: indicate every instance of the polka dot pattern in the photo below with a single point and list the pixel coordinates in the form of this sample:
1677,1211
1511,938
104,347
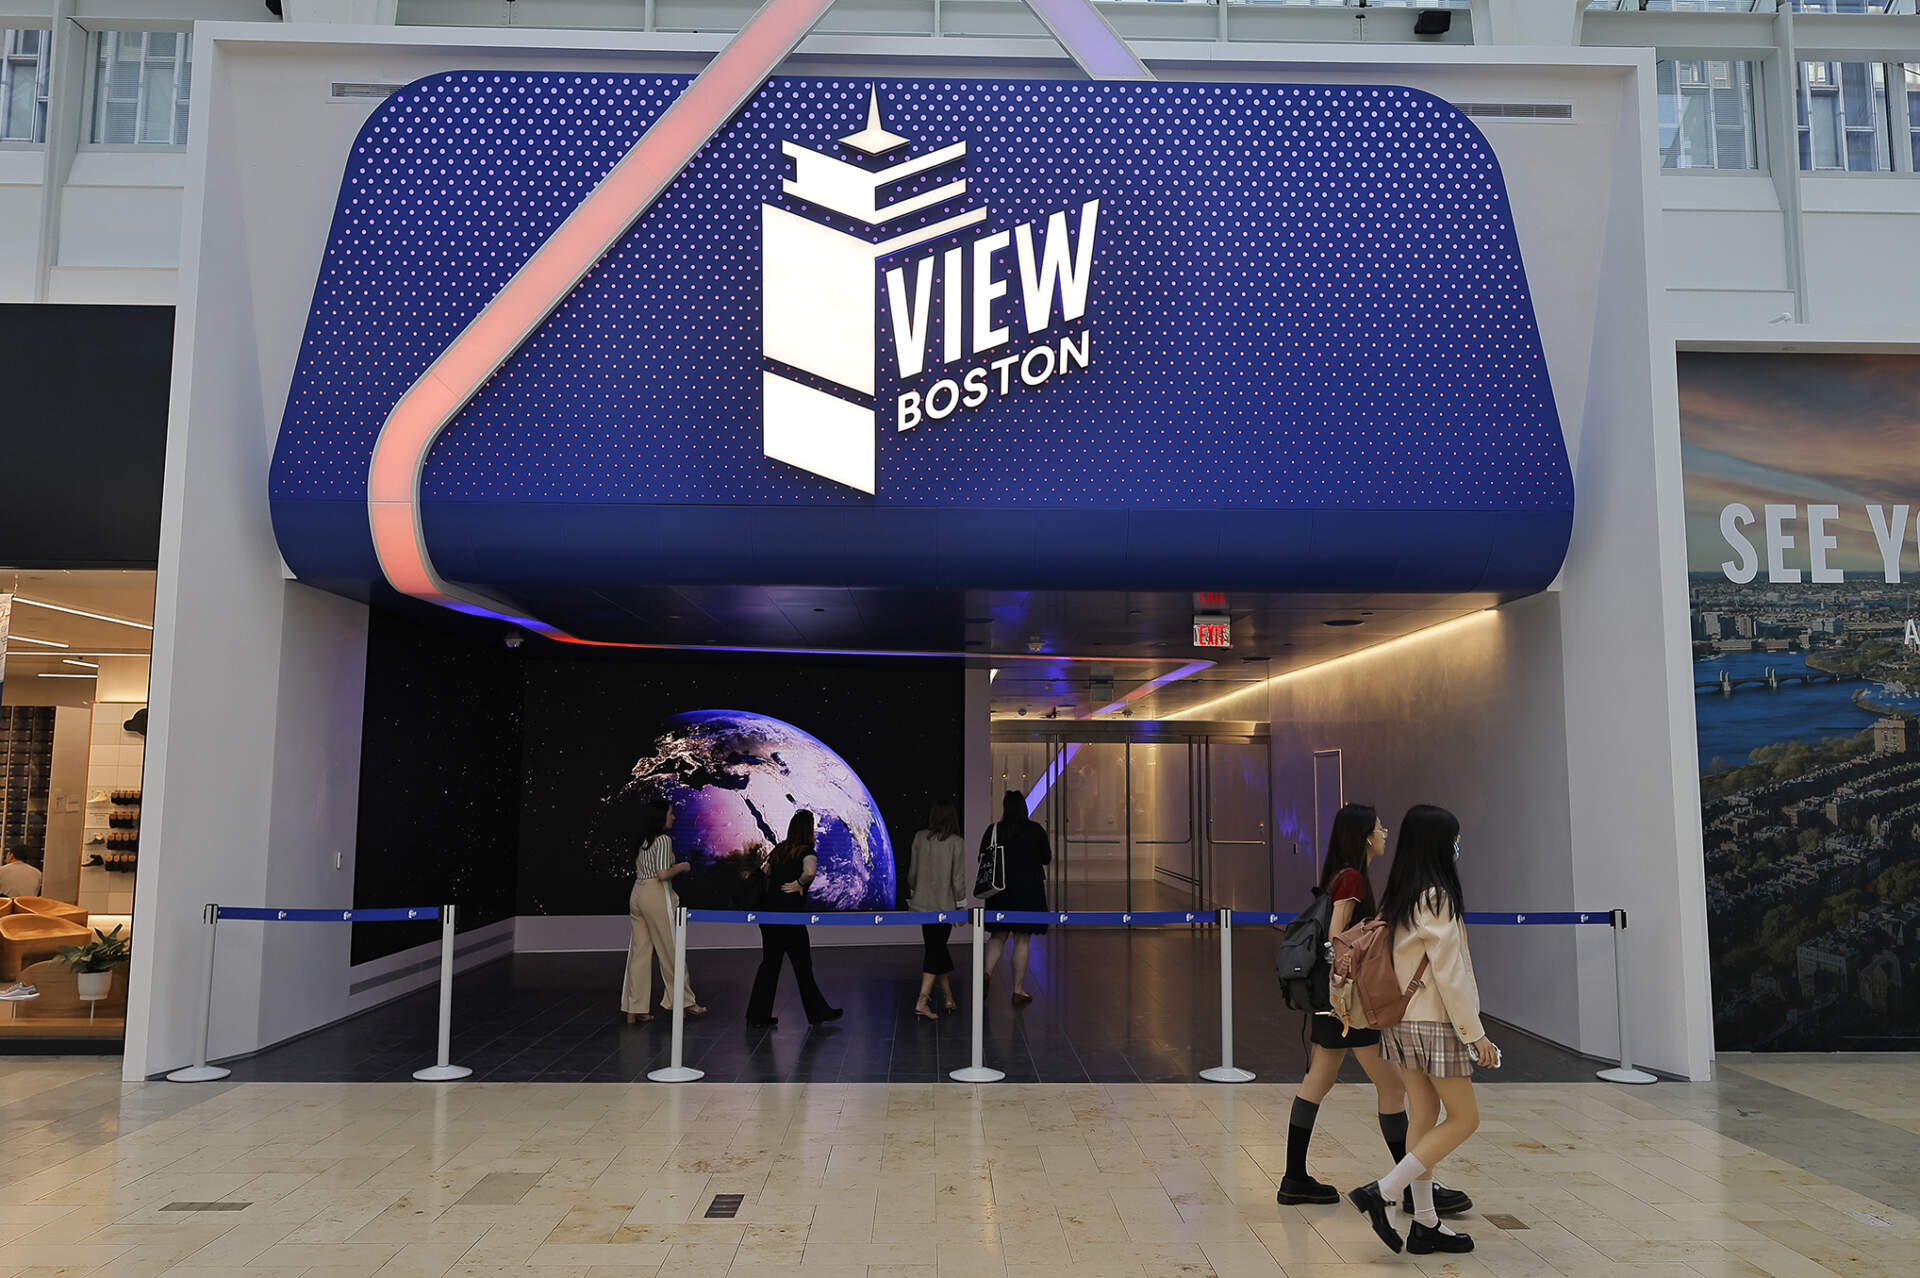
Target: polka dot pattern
1303,296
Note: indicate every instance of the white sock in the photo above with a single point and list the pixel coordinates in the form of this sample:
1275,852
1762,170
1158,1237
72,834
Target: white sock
1423,1206
1404,1173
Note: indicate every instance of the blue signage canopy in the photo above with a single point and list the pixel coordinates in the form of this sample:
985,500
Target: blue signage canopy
948,334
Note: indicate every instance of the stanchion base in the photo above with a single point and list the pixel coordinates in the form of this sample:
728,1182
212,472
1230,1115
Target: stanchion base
977,1074
675,1074
441,1073
1639,1077
198,1074
1227,1074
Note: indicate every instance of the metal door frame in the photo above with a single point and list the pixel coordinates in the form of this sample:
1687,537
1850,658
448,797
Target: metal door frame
1197,735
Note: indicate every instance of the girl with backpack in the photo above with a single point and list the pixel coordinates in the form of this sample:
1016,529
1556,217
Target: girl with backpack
1439,1039
1358,837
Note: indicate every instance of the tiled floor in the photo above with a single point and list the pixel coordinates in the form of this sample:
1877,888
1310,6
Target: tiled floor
1110,1007
580,1180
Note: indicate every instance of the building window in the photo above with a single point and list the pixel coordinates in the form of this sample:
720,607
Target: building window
1910,75
1707,115
141,83
1842,117
23,85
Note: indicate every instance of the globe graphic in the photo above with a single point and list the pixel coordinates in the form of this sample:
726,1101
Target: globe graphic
736,778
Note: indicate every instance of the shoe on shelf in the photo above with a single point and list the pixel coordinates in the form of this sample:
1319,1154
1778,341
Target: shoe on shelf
1370,1203
20,992
1424,1240
1294,1192
1446,1202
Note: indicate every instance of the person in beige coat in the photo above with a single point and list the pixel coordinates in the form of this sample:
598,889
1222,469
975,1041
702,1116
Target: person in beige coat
1440,1039
650,907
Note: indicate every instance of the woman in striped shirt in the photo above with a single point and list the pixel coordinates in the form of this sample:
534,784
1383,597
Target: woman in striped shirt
650,907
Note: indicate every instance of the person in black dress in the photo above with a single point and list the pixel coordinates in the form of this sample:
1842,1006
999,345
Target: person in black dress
1028,855
789,868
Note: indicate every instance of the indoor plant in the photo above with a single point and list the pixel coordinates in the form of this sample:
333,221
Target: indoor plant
93,963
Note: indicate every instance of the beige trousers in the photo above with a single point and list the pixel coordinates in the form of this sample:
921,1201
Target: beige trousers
651,909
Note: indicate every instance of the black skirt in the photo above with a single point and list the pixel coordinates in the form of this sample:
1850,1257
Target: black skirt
1325,1032
938,960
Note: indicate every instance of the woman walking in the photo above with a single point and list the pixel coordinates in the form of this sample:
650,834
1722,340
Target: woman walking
1441,1039
650,907
789,869
1024,845
1359,836
936,880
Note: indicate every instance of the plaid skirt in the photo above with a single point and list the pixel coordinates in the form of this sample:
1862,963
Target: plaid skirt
1431,1047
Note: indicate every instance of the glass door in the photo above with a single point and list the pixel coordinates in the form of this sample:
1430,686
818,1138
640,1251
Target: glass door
1237,868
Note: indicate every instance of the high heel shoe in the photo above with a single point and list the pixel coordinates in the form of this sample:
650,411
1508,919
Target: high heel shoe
641,1017
1022,997
924,1012
950,1008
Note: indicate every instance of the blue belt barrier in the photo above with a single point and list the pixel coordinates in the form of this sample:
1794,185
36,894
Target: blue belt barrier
1102,918
268,914
1261,918
826,918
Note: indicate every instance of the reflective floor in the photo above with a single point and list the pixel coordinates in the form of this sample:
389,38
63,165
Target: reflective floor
1780,1168
1110,1006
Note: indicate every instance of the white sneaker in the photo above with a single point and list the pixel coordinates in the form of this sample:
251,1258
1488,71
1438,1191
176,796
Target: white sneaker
20,992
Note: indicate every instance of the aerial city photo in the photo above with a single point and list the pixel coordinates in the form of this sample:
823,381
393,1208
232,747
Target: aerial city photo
1806,661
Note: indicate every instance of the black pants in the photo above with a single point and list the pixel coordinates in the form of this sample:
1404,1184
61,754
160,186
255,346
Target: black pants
938,961
786,941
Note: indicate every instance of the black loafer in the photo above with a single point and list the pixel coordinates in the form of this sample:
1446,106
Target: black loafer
1308,1190
1423,1241
1446,1202
1374,1207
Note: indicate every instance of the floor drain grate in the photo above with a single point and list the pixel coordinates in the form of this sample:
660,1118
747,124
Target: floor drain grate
206,1206
725,1206
1507,1223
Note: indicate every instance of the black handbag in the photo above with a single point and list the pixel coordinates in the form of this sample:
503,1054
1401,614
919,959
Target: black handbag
991,876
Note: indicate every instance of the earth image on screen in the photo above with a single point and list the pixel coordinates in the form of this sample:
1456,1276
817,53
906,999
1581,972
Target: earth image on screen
736,778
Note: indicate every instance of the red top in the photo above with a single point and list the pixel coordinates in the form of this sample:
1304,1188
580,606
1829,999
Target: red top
1347,886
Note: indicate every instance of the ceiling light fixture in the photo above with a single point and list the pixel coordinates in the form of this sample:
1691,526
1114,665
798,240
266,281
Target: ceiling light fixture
51,643
69,661
80,612
65,676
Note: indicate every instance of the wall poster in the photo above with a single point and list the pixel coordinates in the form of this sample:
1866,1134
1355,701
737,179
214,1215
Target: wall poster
1803,507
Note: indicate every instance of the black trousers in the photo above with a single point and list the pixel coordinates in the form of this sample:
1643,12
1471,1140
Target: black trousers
778,941
938,960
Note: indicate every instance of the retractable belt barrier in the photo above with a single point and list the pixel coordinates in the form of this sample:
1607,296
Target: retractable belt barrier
1226,920
440,1072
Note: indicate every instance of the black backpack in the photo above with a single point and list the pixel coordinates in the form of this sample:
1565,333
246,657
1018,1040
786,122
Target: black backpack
1302,961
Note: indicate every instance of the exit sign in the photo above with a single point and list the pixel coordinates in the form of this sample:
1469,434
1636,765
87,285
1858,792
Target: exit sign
1212,632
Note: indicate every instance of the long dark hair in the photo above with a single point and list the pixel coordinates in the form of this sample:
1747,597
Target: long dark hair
1347,850
799,840
1422,864
1013,809
943,821
653,822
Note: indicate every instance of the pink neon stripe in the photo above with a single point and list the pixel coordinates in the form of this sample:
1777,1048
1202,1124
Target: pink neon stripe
554,271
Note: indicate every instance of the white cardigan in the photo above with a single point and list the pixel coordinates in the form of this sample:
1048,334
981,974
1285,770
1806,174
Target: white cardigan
1448,993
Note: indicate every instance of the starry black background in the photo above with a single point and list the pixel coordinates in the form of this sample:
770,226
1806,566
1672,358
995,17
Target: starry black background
485,772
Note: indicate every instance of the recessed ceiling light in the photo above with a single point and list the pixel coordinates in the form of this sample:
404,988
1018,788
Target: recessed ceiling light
1344,621
81,612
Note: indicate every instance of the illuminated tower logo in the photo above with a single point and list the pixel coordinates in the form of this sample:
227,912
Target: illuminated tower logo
819,291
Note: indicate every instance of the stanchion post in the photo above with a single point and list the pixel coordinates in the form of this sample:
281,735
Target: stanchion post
444,1071
1225,1072
200,1071
978,1072
1626,1073
676,1071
